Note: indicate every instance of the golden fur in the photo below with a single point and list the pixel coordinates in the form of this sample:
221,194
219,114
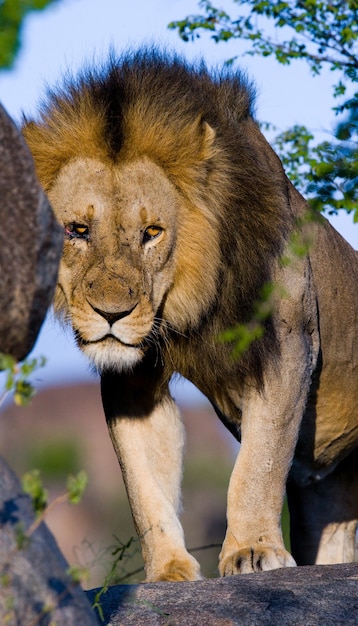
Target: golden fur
177,213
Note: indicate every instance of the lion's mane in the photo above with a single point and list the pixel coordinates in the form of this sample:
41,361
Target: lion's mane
154,104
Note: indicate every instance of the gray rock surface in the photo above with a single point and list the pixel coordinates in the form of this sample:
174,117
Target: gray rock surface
34,586
302,596
30,245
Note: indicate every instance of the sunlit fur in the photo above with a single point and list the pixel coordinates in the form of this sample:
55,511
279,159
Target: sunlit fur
150,141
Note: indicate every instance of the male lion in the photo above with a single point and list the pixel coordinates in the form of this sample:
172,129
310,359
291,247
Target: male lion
176,214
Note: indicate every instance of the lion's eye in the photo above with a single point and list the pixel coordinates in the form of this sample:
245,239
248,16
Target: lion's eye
151,232
80,231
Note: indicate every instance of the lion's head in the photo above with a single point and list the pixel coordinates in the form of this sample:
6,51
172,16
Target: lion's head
149,168
122,262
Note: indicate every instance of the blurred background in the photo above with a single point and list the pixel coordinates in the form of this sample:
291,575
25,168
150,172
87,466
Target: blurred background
64,430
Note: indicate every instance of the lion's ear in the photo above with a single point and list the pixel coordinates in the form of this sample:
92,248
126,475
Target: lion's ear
209,134
204,136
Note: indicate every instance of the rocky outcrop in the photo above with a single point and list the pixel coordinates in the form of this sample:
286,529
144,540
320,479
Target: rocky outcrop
34,585
30,245
302,596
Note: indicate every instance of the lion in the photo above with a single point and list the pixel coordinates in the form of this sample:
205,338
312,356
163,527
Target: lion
177,213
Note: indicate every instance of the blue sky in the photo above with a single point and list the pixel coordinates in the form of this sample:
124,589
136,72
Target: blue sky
74,31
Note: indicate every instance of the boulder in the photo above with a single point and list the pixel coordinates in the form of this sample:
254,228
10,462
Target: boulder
34,585
325,595
30,245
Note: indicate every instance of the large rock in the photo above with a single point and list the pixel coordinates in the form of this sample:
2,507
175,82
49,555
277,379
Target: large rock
34,586
30,245
302,596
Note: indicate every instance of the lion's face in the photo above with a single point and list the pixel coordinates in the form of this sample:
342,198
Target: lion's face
118,259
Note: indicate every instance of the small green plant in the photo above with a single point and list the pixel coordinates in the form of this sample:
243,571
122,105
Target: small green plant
33,486
78,574
118,552
17,378
243,335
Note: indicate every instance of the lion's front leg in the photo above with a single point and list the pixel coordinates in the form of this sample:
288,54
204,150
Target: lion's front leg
149,442
270,425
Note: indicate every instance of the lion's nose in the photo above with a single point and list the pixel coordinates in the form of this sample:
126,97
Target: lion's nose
113,316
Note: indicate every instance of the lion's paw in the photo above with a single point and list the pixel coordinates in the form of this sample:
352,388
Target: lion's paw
249,560
177,570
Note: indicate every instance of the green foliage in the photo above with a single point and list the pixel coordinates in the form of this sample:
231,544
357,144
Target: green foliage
76,486
324,34
33,486
118,552
243,335
78,574
16,378
320,31
326,173
12,15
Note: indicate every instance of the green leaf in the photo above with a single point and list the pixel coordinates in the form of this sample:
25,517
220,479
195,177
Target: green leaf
23,393
32,485
78,574
16,377
76,486
7,362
